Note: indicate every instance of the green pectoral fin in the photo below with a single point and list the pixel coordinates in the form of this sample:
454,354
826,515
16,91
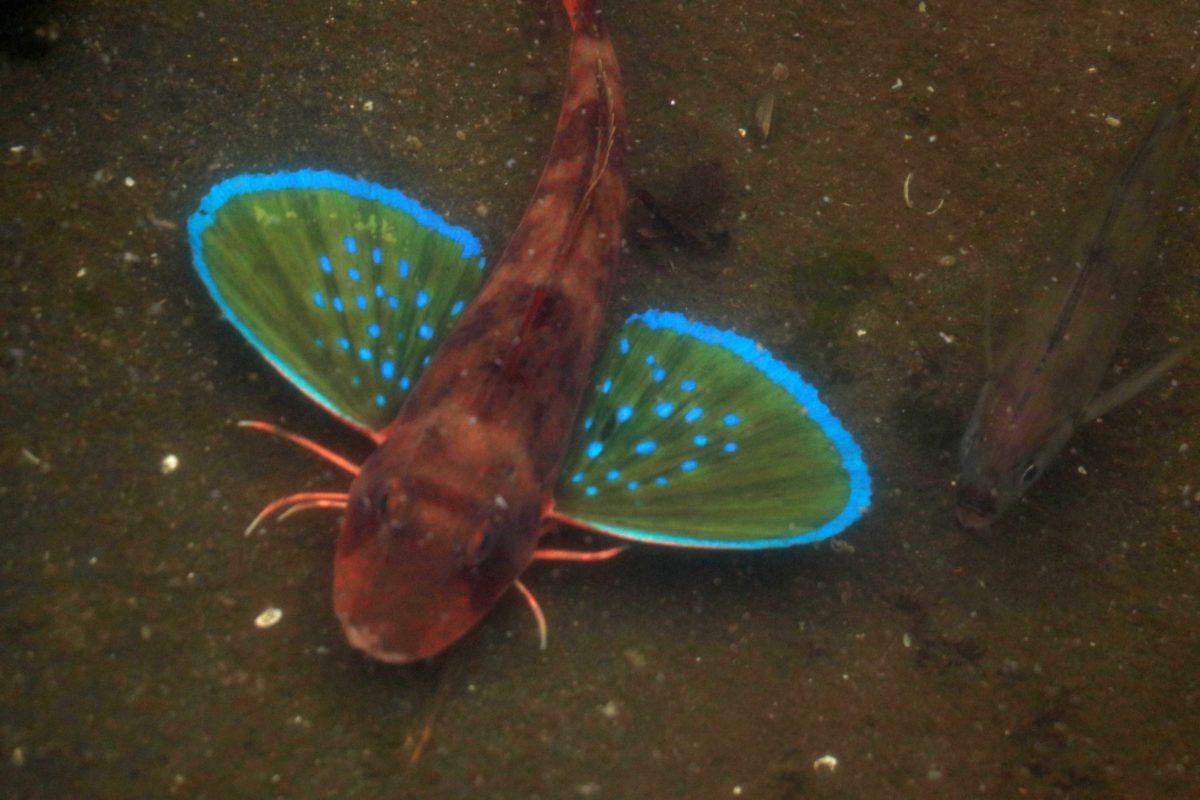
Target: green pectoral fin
698,437
346,287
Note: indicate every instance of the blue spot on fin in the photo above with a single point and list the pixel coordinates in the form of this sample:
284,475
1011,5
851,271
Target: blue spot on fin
323,247
718,444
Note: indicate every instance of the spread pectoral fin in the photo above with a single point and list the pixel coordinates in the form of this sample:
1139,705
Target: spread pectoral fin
344,286
697,437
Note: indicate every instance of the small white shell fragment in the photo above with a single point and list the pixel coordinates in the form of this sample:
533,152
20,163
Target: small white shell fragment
764,112
841,546
826,762
269,618
169,464
1112,122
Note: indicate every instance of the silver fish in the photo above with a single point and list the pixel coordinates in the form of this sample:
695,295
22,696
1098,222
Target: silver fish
1047,383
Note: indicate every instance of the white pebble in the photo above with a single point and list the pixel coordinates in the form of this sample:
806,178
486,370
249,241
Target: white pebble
169,464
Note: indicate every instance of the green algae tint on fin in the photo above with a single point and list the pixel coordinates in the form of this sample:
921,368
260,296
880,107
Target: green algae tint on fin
697,437
346,287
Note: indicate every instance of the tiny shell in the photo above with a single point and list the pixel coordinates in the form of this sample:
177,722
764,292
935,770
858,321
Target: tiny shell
169,464
269,618
764,111
826,762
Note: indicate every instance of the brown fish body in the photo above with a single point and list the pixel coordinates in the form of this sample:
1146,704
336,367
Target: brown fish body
445,515
1060,351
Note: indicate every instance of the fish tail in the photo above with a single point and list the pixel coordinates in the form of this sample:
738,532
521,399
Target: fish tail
580,12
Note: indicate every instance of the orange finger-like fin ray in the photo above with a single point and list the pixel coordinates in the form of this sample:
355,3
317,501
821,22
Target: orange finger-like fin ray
547,554
300,502
537,612
308,444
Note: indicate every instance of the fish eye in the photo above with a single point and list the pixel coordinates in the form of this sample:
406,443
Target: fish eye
1030,474
483,550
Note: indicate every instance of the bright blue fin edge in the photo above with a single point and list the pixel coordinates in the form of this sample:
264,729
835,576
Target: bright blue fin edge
249,183
805,394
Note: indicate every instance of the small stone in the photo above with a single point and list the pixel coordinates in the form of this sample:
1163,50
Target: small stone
169,464
779,72
1112,122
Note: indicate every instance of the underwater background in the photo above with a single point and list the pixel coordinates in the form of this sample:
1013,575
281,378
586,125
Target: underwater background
909,147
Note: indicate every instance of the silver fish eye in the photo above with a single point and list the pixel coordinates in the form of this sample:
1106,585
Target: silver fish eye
1030,474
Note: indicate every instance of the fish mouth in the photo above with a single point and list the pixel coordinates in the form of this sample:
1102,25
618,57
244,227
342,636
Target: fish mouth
972,518
976,509
367,639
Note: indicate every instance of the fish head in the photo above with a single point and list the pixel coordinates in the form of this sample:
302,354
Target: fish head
1013,436
437,528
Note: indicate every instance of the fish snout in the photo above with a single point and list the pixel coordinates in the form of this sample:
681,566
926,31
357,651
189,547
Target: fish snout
977,508
368,638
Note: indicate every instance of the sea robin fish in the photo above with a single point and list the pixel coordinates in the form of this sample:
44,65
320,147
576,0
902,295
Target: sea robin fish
1047,383
492,422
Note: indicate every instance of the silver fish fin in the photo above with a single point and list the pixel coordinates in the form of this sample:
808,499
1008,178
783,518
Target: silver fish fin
1131,387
